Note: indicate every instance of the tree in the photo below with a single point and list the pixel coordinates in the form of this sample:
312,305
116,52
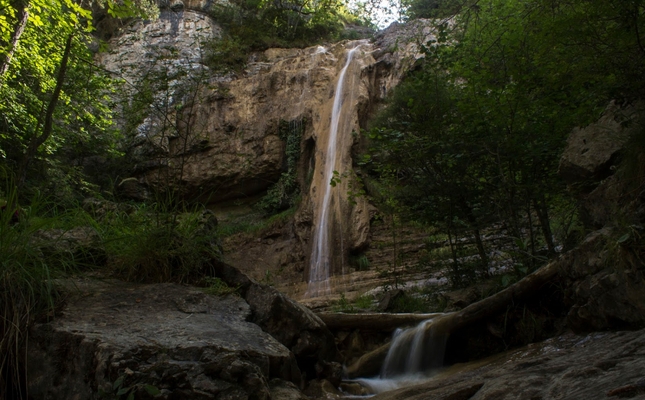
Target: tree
475,134
54,97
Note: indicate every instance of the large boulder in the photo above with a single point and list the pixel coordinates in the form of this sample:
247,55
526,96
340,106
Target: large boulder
603,293
592,151
292,324
165,338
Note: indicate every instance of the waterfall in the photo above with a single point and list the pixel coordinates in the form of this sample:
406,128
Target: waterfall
414,354
415,350
320,262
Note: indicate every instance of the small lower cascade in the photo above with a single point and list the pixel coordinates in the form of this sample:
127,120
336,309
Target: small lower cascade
414,354
415,351
321,259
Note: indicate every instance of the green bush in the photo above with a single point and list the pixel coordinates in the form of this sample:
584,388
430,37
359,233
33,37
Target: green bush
152,245
286,192
217,287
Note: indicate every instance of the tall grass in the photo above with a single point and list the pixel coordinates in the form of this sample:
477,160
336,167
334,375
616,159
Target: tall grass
153,244
26,291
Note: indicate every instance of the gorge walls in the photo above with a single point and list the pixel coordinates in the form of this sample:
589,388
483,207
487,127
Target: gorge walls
217,137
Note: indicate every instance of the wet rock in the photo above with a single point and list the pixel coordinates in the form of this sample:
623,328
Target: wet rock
369,364
322,389
185,343
354,389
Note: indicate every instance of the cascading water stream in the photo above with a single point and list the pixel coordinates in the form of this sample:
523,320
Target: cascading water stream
320,263
414,351
414,354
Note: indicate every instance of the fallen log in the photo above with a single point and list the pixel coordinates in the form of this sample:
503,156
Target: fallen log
490,306
382,322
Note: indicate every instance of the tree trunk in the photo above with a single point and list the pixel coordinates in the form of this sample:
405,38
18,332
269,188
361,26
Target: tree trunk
475,312
18,28
382,322
543,216
37,140
472,221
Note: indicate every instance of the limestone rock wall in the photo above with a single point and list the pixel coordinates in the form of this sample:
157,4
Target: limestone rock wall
216,137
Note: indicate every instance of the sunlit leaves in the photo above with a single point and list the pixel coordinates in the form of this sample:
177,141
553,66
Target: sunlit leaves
83,115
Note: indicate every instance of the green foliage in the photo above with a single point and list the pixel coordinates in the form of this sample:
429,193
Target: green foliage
474,135
55,104
217,287
285,193
26,275
361,303
154,244
255,25
360,262
432,8
253,224
411,302
120,391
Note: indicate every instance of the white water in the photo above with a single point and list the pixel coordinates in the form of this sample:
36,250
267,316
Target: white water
320,263
415,355
415,351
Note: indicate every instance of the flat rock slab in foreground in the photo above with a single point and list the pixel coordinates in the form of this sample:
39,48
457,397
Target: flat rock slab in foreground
604,365
185,343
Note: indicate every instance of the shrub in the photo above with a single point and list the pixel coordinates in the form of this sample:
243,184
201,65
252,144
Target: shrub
152,245
26,291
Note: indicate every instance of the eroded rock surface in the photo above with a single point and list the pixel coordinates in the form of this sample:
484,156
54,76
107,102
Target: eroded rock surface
186,343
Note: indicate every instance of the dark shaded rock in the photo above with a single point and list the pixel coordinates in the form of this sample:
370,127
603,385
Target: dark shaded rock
331,371
132,189
99,208
291,323
185,343
81,243
592,151
322,389
602,293
283,390
388,301
353,346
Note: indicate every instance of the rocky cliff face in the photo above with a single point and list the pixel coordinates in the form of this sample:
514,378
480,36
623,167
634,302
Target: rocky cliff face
218,137
606,282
